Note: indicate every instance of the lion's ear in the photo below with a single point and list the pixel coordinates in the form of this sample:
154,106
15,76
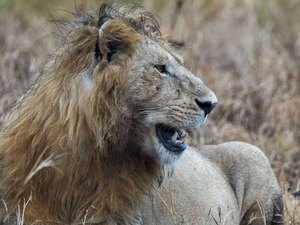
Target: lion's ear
116,38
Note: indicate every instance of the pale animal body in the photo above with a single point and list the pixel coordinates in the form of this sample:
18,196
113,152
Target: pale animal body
100,137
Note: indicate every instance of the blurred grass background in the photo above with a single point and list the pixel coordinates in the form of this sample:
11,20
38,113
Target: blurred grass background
247,51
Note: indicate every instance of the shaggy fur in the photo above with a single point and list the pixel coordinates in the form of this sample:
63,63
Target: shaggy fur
65,147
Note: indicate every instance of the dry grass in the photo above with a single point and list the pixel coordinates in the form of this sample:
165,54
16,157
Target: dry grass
246,51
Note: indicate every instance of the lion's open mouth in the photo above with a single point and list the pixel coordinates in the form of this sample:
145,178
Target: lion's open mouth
172,138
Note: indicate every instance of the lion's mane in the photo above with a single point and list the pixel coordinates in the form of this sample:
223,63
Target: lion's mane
54,145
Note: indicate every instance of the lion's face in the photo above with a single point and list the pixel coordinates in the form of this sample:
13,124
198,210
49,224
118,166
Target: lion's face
163,98
166,100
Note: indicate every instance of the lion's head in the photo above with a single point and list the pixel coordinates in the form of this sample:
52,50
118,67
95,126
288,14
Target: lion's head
133,84
163,97
131,77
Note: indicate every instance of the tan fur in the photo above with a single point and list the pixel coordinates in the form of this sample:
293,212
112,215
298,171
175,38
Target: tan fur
81,146
228,184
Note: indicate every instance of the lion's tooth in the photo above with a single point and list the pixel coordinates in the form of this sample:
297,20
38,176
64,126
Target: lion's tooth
179,136
175,137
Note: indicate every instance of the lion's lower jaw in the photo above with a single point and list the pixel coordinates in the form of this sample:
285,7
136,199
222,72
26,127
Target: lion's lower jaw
168,158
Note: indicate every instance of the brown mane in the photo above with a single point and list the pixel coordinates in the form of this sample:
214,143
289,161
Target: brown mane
72,156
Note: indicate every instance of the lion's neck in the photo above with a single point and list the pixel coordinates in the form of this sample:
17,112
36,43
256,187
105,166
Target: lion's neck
107,188
124,185
50,154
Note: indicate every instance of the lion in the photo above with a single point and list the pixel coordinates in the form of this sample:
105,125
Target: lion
100,137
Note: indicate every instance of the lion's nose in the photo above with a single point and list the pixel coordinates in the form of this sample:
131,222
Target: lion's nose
206,106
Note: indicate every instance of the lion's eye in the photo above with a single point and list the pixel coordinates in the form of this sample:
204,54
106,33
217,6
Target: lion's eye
162,69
